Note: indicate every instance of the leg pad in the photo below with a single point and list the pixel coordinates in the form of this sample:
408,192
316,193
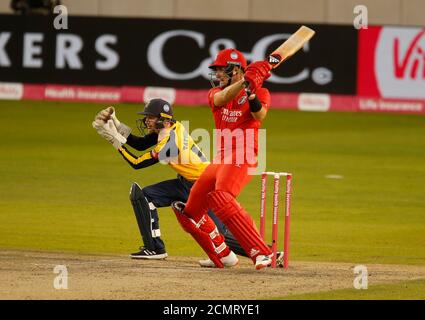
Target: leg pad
201,237
239,222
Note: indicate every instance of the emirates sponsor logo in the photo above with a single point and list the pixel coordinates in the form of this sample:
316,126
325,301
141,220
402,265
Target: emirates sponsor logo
400,63
230,115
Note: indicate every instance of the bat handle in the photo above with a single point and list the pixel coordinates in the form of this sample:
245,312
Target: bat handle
247,90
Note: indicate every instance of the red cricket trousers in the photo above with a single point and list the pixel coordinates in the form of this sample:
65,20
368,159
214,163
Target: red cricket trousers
224,177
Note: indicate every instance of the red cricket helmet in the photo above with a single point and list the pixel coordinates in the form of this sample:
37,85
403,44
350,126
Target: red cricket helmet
229,56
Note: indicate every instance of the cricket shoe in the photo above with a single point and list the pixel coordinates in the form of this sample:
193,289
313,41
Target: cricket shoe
263,261
149,254
229,261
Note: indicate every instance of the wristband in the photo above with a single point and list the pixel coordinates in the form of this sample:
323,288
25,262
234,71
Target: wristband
255,104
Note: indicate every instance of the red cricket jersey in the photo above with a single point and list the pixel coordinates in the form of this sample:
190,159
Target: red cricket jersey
236,117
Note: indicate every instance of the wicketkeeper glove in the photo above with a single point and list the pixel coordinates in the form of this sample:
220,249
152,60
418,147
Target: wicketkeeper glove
109,113
109,132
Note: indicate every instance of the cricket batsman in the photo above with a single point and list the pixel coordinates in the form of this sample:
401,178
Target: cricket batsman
236,113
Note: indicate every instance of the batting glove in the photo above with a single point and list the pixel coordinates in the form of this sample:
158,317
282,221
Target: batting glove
256,73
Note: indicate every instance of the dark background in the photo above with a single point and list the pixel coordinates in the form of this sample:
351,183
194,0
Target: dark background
333,47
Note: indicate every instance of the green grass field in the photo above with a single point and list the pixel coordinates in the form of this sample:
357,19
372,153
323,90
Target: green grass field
408,290
64,188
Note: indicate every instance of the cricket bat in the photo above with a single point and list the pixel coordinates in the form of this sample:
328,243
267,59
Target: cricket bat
287,49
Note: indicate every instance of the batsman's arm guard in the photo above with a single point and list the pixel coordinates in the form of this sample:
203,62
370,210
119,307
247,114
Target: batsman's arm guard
142,143
143,161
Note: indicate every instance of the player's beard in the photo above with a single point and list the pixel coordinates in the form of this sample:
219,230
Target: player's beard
225,81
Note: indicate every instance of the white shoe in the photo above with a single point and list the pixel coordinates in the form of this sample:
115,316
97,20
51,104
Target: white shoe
262,261
231,260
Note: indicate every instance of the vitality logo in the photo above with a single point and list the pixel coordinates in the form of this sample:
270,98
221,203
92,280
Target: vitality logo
413,58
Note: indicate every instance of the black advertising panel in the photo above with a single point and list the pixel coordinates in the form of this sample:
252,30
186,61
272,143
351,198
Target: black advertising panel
168,53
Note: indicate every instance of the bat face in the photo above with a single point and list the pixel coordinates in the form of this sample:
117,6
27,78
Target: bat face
294,43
